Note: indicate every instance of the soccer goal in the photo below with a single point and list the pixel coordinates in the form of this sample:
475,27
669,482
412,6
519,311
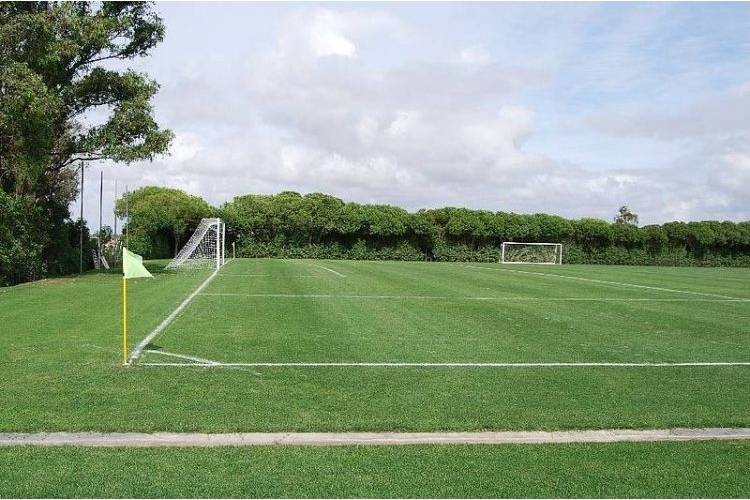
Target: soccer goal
205,248
531,253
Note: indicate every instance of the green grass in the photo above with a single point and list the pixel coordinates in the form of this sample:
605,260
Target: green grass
417,312
650,470
61,369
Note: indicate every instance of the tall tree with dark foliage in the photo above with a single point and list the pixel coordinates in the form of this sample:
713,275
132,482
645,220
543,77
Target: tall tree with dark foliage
61,103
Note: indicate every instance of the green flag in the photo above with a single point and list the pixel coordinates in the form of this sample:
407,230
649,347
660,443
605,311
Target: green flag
132,265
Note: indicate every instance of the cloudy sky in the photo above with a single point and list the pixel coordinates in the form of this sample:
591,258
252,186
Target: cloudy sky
571,109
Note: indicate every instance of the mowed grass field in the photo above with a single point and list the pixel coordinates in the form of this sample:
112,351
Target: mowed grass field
354,312
280,345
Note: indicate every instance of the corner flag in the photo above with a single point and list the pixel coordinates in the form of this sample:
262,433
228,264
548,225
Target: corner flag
132,267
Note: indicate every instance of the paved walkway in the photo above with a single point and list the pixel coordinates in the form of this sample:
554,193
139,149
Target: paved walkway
163,439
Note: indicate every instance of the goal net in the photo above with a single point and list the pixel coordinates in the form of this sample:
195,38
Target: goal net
205,248
531,253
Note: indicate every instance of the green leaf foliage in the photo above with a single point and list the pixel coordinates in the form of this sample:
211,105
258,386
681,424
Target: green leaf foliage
60,106
320,226
33,246
160,219
54,52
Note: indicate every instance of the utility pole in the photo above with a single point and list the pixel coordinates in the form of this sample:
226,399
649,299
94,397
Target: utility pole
80,242
101,194
114,211
114,226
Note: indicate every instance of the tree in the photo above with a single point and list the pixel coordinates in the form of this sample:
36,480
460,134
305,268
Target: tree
625,216
626,235
161,219
324,209
592,233
247,218
53,82
60,105
20,252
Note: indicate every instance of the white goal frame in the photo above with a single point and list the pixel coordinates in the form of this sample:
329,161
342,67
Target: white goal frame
205,248
506,244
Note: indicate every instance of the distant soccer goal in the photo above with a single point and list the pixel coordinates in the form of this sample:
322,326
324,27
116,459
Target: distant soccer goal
205,248
530,253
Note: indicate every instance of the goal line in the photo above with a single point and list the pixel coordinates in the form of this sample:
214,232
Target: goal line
216,364
444,365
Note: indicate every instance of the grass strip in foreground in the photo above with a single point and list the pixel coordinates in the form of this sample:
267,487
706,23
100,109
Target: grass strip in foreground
664,469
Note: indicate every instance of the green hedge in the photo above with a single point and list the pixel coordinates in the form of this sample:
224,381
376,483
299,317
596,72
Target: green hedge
36,243
320,226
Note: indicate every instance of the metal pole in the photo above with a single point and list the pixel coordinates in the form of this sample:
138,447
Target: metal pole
114,212
101,194
114,230
218,244
80,221
223,243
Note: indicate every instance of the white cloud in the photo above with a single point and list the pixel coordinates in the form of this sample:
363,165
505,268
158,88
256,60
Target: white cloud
326,37
735,174
475,55
358,125
367,129
571,110
310,34
721,113
404,125
185,146
612,183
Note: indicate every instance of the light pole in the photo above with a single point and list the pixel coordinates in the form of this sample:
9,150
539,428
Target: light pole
80,228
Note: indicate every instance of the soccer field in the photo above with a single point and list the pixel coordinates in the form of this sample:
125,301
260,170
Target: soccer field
293,345
460,317
436,346
323,346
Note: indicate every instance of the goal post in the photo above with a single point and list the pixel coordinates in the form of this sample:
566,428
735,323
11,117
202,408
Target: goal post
513,252
205,248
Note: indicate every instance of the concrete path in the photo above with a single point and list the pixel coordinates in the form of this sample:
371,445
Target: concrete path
165,439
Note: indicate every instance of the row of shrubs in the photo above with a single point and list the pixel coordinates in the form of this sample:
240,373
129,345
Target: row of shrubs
458,252
321,226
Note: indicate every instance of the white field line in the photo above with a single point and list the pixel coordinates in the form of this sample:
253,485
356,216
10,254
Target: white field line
434,297
151,336
200,361
330,270
224,275
245,275
216,364
604,282
174,439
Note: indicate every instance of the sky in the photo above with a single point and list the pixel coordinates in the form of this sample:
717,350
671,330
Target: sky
572,109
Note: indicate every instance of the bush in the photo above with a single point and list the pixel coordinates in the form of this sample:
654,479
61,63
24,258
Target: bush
322,227
35,244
